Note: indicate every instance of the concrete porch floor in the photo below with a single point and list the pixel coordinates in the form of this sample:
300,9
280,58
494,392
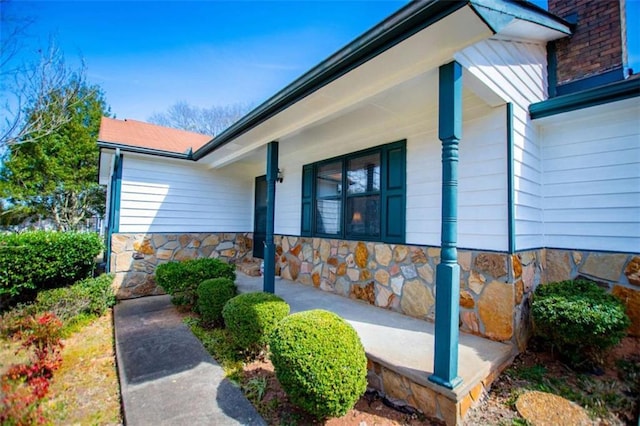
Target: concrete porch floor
405,346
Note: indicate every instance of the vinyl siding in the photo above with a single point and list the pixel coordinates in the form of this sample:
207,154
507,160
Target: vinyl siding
516,72
161,195
591,159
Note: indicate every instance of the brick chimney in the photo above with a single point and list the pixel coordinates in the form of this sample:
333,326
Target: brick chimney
596,53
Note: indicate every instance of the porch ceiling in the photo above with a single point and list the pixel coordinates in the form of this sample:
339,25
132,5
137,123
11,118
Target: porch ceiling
397,81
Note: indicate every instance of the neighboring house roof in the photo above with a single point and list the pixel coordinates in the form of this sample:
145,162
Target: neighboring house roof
149,138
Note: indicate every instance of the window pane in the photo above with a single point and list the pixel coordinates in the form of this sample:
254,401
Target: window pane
328,216
363,174
329,180
363,216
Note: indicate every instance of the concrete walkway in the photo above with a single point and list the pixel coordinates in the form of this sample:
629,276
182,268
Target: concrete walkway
400,343
166,375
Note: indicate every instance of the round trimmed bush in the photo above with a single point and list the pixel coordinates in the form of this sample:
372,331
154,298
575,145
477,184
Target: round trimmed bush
320,362
251,317
213,294
579,318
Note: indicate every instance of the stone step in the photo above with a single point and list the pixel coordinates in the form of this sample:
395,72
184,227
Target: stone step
250,267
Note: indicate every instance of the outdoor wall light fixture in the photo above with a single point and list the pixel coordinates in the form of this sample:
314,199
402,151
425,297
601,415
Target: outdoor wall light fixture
280,176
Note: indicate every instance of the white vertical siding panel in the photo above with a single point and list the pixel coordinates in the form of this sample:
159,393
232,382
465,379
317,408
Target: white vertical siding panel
516,71
591,183
164,195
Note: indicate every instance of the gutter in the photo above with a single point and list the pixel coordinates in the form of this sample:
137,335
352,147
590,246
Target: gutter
113,225
613,92
149,151
511,223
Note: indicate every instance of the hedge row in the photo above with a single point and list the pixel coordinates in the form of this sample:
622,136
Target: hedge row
44,259
86,298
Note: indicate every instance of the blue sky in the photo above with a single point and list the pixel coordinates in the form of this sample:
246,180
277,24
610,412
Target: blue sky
147,55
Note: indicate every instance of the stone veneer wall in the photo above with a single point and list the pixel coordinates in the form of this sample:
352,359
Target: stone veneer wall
618,272
134,257
494,287
435,404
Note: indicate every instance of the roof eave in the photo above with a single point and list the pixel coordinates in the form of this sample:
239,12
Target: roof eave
401,25
587,98
147,151
407,21
500,14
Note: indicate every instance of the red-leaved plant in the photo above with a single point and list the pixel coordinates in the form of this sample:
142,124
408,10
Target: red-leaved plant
25,385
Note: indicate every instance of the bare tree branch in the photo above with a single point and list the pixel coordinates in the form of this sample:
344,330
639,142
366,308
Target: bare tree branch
208,121
27,86
36,88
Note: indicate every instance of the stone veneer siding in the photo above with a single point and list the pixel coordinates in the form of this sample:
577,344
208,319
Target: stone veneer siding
134,257
435,404
494,287
617,272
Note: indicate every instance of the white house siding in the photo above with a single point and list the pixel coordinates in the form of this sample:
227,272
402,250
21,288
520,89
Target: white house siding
516,71
482,170
591,159
165,195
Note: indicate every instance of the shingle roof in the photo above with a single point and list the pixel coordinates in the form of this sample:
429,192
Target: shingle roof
145,135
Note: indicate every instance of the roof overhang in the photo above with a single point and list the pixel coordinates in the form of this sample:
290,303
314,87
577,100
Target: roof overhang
142,150
417,39
613,92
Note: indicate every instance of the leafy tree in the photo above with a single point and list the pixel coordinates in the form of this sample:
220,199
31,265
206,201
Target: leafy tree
208,121
53,174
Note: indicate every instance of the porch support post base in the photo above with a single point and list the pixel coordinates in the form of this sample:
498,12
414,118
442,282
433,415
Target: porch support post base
448,272
269,245
446,328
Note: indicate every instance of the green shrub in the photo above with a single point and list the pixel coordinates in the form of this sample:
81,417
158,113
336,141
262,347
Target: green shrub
578,318
90,297
212,296
320,362
181,279
43,259
251,317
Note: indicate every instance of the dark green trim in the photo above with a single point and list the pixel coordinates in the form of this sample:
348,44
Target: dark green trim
614,92
510,182
114,204
446,335
259,209
268,284
307,216
602,79
498,14
148,151
552,69
392,194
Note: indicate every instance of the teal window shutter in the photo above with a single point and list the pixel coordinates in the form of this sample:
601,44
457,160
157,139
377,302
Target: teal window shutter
307,201
394,165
